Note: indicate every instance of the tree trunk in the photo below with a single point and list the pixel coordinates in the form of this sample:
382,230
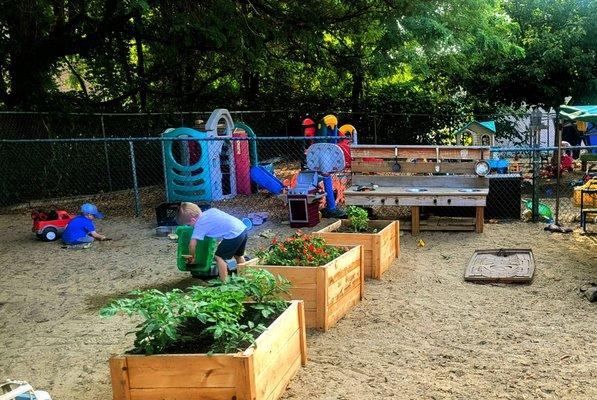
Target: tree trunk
140,63
357,90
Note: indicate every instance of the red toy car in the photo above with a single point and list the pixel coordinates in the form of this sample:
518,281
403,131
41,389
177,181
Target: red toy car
48,225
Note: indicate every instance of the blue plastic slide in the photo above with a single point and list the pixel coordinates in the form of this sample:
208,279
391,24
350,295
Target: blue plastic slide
265,179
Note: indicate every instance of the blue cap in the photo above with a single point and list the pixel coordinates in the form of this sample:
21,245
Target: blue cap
89,208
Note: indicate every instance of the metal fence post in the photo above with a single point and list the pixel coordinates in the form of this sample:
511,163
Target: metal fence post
135,184
106,153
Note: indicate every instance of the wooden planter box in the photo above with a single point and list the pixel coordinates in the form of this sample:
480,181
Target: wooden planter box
329,291
260,372
381,248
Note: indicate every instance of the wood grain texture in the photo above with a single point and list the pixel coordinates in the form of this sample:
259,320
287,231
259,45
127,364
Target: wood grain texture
313,284
379,248
261,372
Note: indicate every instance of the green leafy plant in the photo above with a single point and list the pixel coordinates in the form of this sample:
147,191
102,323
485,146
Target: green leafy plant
299,249
359,219
220,318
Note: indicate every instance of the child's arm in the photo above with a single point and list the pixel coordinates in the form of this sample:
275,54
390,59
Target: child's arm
191,257
97,236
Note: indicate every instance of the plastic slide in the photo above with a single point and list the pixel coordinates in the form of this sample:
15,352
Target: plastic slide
265,179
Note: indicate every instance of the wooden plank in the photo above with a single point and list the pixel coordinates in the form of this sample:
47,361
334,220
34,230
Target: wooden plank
415,220
418,152
336,289
479,220
303,333
311,318
246,379
340,309
288,359
332,227
397,233
362,266
376,259
276,337
451,181
120,378
443,201
172,370
177,393
322,291
352,255
277,391
467,168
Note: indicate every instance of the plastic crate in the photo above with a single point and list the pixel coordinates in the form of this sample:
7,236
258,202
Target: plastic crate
590,199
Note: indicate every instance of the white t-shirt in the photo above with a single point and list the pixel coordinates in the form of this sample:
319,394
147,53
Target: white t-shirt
217,224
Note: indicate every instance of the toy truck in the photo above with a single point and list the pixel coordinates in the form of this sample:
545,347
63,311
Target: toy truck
49,225
21,390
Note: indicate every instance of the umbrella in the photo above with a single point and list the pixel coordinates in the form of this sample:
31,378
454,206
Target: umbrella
579,113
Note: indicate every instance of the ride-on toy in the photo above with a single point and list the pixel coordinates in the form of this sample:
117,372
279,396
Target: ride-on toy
48,225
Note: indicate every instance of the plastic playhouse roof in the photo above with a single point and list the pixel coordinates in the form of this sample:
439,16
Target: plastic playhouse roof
486,124
579,113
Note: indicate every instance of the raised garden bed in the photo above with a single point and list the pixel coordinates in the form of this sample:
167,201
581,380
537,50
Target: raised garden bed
262,371
329,291
380,249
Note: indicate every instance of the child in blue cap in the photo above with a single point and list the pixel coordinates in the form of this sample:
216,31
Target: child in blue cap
80,230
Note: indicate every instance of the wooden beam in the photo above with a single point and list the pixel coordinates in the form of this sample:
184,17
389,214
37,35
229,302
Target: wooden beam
479,219
420,152
360,166
414,229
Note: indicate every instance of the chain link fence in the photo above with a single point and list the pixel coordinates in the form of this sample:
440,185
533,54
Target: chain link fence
131,176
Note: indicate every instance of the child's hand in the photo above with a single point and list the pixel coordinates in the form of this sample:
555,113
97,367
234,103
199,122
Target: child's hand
189,259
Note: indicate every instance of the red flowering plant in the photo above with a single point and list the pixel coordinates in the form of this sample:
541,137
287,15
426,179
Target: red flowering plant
299,249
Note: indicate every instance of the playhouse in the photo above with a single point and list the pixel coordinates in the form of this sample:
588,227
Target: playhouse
476,134
208,164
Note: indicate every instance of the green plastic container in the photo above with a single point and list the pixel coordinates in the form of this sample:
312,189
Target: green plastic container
204,252
544,209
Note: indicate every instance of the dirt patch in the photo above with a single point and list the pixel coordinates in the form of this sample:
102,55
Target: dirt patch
421,332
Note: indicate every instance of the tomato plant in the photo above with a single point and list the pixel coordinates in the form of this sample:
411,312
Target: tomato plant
359,219
220,318
299,249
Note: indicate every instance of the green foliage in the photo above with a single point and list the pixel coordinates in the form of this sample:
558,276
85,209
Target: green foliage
299,249
218,314
359,219
446,59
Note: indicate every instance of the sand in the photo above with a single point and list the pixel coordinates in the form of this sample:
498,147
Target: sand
421,332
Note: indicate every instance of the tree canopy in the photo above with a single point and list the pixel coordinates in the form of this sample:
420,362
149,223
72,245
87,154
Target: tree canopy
428,56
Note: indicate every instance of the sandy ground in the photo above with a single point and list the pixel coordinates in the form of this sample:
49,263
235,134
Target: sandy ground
421,332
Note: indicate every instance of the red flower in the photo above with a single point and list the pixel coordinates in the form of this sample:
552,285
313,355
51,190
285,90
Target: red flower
319,251
311,248
304,251
274,241
309,257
